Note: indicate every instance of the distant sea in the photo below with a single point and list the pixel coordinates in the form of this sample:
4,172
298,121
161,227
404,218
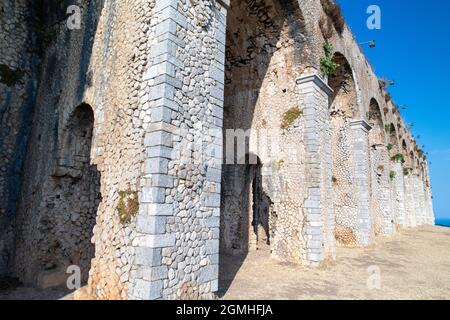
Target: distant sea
443,222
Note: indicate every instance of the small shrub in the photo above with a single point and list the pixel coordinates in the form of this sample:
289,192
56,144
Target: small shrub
388,97
327,66
392,175
128,205
290,116
406,171
334,12
387,128
390,146
9,76
398,157
277,164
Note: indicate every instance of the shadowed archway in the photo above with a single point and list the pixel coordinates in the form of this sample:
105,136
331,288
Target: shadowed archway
343,110
264,52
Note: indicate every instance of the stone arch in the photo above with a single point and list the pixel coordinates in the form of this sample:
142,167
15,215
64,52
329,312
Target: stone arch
405,152
393,139
377,134
418,167
72,200
380,203
344,101
411,160
265,53
343,111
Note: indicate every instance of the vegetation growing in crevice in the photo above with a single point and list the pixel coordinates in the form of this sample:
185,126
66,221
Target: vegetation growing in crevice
389,128
290,116
277,165
327,66
390,146
406,171
333,11
9,76
398,157
128,205
392,175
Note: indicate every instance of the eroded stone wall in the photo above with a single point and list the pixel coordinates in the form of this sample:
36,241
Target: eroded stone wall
17,94
126,119
101,66
264,54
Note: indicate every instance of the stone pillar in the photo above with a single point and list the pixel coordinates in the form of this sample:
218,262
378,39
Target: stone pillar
430,218
177,242
360,130
318,206
380,191
410,200
398,190
421,199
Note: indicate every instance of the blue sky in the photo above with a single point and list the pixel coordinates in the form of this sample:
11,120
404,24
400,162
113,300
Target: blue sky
413,48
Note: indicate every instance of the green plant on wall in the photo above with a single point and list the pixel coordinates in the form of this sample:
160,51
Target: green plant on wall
398,157
9,76
128,205
387,128
277,164
290,116
327,66
392,175
406,171
390,146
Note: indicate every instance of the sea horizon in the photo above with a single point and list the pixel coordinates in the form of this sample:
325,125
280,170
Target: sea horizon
443,222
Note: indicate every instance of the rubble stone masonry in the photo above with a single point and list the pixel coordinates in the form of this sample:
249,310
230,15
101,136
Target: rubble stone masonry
163,134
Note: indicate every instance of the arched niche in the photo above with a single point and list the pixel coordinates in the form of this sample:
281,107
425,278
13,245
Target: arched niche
73,199
264,56
393,140
344,98
377,134
344,110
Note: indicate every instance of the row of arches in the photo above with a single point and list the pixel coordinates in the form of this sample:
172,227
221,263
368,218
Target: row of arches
260,38
394,165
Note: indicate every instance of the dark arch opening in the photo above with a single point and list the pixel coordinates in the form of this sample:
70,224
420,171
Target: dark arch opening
377,134
74,201
343,110
393,142
343,100
260,35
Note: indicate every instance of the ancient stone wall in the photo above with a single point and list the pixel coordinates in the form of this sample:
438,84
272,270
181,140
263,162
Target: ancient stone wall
265,48
177,244
115,143
71,181
17,94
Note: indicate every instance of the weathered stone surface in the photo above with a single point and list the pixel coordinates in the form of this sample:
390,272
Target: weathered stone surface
126,125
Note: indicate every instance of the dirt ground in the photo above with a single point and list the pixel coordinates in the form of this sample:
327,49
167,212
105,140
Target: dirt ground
413,264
